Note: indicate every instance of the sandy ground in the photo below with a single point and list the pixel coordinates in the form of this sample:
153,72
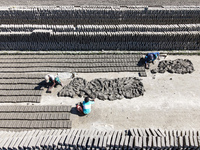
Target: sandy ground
171,101
98,2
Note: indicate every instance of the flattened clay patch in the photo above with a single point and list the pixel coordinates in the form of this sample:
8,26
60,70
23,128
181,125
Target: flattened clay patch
104,89
180,66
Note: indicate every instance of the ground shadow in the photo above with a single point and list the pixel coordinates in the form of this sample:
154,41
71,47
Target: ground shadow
141,62
75,111
41,85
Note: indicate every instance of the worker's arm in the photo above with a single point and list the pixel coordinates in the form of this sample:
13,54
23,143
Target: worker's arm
54,83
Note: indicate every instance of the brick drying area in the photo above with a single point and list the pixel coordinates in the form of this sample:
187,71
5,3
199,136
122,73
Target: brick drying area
22,76
103,41
35,117
97,139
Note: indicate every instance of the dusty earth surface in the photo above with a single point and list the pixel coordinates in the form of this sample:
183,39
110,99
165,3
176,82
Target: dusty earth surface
98,2
171,101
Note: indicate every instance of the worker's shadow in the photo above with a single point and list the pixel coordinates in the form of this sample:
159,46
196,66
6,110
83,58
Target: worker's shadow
76,112
41,85
141,62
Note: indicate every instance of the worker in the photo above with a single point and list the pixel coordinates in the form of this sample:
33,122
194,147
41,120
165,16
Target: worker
150,58
85,107
52,81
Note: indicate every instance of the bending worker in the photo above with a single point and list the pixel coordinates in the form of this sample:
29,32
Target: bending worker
52,81
150,58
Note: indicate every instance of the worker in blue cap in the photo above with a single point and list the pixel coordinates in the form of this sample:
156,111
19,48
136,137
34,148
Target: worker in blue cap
150,58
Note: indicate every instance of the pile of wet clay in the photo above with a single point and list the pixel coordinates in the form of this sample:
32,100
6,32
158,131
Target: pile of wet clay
104,89
180,66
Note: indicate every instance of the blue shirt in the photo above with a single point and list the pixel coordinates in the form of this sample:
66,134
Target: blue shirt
147,57
87,107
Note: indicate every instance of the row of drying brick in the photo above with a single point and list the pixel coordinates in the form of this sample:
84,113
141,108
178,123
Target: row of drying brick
79,57
80,70
98,28
87,37
96,139
57,61
68,65
35,124
81,15
18,88
20,99
29,117
35,108
41,116
97,46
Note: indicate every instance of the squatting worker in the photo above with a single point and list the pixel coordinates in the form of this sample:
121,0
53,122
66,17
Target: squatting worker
52,81
85,107
151,57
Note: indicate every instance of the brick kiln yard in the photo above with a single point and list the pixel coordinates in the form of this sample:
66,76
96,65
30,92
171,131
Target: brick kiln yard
171,101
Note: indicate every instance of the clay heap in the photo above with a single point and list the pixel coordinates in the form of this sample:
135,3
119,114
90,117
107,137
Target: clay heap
180,66
104,89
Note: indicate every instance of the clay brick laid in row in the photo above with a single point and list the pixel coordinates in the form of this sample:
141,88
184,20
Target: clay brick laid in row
34,108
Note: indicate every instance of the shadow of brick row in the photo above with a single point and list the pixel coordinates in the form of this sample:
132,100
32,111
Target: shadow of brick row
35,117
104,89
17,88
100,139
72,15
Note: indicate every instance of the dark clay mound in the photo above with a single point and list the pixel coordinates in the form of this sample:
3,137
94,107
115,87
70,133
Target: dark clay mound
180,66
104,89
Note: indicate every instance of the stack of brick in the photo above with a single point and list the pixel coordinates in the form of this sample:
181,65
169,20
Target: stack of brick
96,28
98,139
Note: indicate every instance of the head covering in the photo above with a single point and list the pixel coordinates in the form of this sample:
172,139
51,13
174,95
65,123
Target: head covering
47,78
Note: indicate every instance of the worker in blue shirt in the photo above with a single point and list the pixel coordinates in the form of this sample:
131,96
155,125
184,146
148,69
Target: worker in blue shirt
151,57
85,107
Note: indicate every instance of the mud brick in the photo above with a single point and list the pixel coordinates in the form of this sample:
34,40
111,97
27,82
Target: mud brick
196,144
132,132
28,138
167,141
117,142
38,143
105,138
66,142
56,140
5,146
175,142
96,141
150,142
131,141
126,142
136,132
171,141
73,136
180,141
76,139
113,139
186,141
21,145
140,132
144,142
32,143
64,135
191,141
